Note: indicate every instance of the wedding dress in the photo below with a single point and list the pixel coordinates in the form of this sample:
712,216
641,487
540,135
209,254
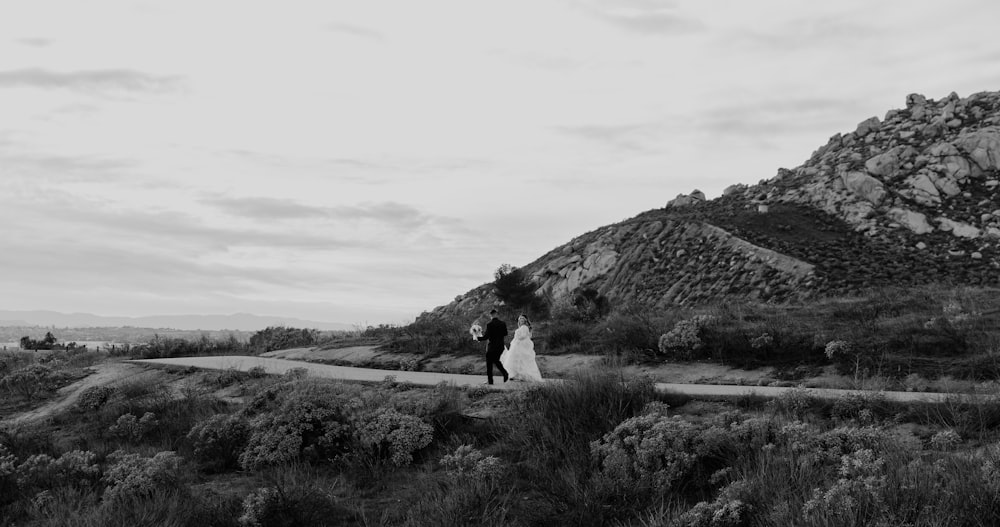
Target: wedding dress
519,359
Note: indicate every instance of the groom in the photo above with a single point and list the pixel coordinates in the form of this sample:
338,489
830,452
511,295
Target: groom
496,330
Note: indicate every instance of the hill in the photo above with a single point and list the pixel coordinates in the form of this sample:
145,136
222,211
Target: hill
910,199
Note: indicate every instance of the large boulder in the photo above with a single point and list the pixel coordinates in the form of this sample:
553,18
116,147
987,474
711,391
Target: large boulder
864,186
948,161
683,200
914,221
920,187
958,228
887,164
982,146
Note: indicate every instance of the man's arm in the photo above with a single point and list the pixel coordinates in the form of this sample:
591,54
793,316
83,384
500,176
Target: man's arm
486,334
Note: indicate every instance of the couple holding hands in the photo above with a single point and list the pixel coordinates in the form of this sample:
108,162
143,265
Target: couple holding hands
518,361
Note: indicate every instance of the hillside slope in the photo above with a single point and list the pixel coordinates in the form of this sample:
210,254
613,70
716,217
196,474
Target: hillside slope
910,199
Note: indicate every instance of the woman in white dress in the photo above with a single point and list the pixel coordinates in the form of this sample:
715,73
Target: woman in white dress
519,359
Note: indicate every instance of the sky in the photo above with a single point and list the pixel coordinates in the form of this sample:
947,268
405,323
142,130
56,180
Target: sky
364,161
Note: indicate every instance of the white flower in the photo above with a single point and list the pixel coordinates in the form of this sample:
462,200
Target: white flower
476,331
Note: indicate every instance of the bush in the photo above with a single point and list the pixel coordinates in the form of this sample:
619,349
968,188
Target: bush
729,509
95,397
685,340
389,434
279,338
589,305
646,453
306,426
30,381
131,475
295,497
41,471
469,461
219,440
565,334
130,428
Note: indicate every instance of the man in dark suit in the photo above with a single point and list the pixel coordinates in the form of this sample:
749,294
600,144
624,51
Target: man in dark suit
496,330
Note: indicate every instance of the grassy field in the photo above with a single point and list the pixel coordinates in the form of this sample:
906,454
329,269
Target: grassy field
231,448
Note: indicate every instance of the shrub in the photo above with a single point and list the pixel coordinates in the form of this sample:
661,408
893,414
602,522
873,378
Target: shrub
945,440
95,397
469,461
796,402
278,338
762,342
838,349
647,453
865,407
131,475
304,425
553,424
565,334
30,380
257,372
42,471
219,440
295,497
628,331
685,340
589,305
130,428
466,502
856,493
388,433
729,509
294,374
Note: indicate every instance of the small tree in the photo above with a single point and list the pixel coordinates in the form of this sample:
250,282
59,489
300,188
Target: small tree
590,305
514,288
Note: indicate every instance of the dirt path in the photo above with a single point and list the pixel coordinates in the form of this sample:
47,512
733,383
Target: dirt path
67,396
281,366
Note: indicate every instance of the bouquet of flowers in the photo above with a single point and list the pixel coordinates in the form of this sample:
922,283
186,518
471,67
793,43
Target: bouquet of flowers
476,331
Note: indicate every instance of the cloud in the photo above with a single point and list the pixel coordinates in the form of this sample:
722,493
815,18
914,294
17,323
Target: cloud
776,117
353,30
102,264
90,81
368,171
259,208
800,33
634,137
541,61
266,208
35,42
648,17
65,168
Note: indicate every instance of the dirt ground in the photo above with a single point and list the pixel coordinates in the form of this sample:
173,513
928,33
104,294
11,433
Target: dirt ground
106,373
365,363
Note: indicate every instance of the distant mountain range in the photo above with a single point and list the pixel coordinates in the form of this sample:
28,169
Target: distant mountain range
236,322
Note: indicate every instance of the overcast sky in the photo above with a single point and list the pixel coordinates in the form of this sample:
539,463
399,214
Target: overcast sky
363,161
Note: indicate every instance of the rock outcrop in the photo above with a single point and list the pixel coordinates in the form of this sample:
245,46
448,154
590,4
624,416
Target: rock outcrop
908,199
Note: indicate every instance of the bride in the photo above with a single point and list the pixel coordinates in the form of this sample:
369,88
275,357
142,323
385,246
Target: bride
519,359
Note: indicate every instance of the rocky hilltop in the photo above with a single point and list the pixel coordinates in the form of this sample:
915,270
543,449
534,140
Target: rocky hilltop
909,199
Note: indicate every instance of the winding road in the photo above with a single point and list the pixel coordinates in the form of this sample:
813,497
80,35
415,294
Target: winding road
281,366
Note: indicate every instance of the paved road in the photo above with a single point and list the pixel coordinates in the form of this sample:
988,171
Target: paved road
280,366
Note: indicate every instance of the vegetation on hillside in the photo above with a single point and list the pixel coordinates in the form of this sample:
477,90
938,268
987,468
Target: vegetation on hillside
902,335
598,449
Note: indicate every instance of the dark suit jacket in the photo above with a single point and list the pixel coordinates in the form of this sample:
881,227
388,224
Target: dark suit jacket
496,330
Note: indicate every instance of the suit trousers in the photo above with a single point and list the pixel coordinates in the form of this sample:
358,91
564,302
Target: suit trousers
493,359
